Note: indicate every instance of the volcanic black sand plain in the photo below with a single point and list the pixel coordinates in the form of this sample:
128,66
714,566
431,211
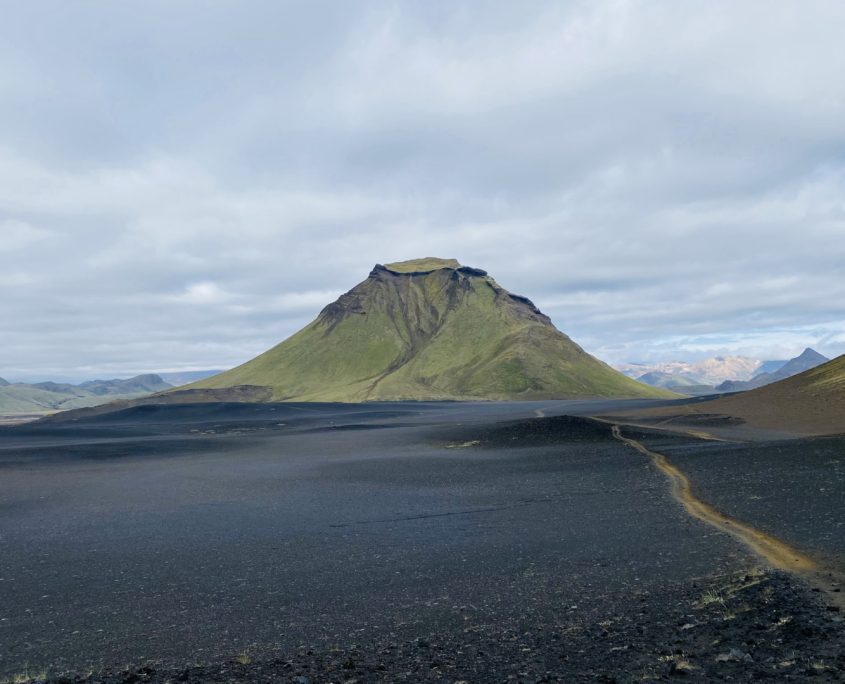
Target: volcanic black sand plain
441,542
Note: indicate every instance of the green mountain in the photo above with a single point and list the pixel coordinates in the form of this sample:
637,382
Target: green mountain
44,397
429,329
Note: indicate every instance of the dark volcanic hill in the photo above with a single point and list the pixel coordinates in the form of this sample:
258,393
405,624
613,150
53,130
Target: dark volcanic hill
430,329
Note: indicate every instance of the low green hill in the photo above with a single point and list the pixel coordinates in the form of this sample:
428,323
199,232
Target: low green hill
667,380
430,329
45,397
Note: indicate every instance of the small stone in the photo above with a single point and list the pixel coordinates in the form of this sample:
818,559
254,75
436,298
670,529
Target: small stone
734,655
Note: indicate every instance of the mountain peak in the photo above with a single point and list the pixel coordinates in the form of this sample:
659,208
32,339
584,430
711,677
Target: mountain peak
423,265
810,353
429,329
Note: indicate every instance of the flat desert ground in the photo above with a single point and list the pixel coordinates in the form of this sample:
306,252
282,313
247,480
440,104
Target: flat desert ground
441,542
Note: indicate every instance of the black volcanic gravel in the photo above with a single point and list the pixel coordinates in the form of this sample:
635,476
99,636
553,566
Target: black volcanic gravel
411,542
761,626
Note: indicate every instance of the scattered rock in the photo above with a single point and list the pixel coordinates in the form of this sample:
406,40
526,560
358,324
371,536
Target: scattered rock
734,655
654,640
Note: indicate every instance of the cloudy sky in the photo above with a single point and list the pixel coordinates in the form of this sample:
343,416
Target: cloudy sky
184,184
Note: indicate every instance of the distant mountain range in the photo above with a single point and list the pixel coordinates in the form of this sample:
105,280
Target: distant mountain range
810,402
808,359
186,377
720,374
709,372
45,397
668,380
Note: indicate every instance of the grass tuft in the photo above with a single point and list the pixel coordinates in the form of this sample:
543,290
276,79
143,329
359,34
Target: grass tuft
25,677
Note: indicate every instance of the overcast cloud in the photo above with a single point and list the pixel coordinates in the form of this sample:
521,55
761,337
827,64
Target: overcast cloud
184,184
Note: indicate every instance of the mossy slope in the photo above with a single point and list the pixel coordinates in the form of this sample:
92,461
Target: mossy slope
430,329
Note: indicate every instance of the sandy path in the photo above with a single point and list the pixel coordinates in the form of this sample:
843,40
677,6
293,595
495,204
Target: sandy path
773,551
